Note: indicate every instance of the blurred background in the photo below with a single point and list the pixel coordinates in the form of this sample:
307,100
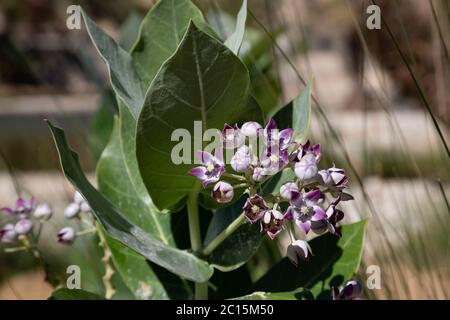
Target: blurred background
381,112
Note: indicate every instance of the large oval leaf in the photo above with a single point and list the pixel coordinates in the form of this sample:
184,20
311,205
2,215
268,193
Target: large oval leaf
121,228
335,260
203,81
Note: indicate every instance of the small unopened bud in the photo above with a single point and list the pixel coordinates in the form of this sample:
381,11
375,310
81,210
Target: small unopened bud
7,234
306,168
223,192
77,197
84,206
258,174
250,129
66,235
23,226
42,211
242,159
72,210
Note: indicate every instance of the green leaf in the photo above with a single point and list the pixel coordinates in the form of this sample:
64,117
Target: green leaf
299,294
297,114
335,260
129,30
124,79
121,228
234,42
235,250
161,32
240,246
74,294
202,81
115,183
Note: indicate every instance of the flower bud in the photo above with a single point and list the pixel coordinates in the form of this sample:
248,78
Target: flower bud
7,234
23,226
287,189
84,206
42,211
77,197
298,250
258,174
242,159
223,192
306,168
72,210
250,129
325,177
66,235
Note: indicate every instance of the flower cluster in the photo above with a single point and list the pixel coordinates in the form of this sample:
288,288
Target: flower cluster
22,217
26,219
310,200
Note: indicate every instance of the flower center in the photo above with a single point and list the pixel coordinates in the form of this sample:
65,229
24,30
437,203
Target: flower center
210,167
304,210
255,209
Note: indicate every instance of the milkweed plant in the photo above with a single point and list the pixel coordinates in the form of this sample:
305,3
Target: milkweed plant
191,138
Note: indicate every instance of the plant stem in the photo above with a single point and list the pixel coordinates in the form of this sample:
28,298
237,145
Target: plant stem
201,289
224,234
234,176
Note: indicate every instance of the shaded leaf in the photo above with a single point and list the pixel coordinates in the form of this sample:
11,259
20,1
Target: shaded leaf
122,229
74,294
335,260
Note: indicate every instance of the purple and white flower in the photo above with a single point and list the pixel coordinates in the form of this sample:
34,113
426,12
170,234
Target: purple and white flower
272,223
211,169
232,137
306,212
23,226
351,290
334,178
8,234
66,235
223,192
334,215
23,208
254,208
308,148
298,250
242,159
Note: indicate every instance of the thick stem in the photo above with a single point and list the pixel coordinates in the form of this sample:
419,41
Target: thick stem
201,289
224,234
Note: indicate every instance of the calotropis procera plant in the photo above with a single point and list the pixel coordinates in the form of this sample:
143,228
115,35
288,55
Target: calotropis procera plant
179,80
